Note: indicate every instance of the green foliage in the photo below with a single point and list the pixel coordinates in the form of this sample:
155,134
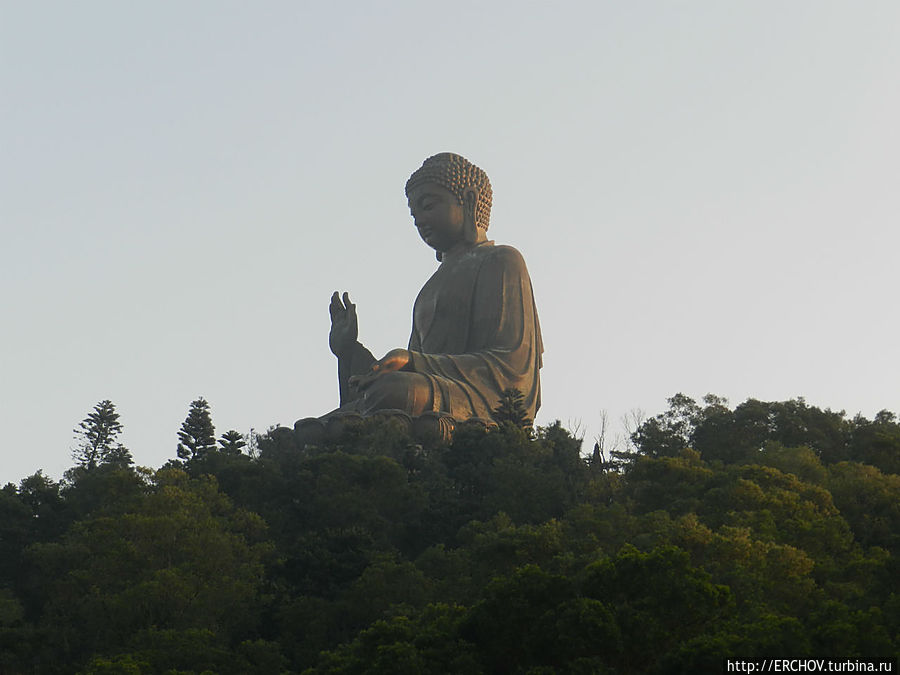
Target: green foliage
509,625
96,439
512,409
658,597
668,434
719,433
187,652
184,559
426,643
107,489
770,528
802,462
877,442
232,442
197,435
870,502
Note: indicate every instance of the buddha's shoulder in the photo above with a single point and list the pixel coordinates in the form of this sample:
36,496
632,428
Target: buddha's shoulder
501,254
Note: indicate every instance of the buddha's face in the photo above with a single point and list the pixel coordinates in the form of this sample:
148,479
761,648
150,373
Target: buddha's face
438,215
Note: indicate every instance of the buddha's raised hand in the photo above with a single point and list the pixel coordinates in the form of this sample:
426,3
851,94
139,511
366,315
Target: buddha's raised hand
344,325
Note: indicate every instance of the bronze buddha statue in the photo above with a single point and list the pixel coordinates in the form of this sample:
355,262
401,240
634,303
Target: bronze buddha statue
475,329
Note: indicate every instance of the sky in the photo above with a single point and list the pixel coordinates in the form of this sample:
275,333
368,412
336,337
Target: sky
706,195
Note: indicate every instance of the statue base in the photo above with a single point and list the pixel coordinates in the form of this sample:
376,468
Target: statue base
429,426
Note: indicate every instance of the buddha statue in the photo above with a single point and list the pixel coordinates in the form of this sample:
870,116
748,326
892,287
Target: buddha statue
475,330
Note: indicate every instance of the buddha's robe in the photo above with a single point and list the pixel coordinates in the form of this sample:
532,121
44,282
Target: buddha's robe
475,333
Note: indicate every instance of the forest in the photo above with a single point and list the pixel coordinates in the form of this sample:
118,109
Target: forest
760,530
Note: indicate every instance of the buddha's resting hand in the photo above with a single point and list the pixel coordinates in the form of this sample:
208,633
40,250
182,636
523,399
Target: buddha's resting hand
344,325
396,359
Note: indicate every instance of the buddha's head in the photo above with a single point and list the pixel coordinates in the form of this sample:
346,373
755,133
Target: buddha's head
468,183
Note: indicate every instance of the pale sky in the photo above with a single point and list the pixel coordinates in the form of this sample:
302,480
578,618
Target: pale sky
706,195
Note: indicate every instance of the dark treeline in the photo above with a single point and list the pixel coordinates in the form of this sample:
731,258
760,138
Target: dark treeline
770,529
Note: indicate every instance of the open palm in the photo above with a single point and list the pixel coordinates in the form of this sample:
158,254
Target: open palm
344,325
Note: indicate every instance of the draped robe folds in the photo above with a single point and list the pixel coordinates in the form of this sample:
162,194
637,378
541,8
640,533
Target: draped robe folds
475,334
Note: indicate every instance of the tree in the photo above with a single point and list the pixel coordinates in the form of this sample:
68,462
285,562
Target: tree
96,437
512,409
181,562
876,442
506,625
666,435
232,442
197,435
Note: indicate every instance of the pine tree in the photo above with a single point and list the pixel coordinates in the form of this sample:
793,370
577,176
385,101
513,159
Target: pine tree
232,442
96,438
512,409
197,435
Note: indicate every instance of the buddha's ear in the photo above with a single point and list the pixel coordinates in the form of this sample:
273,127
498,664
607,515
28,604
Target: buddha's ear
470,225
470,199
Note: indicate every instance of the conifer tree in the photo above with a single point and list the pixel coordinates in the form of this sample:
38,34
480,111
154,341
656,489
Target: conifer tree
197,435
232,442
512,409
96,438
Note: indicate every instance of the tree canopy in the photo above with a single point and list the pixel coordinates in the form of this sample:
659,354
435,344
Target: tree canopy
197,435
97,438
770,528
